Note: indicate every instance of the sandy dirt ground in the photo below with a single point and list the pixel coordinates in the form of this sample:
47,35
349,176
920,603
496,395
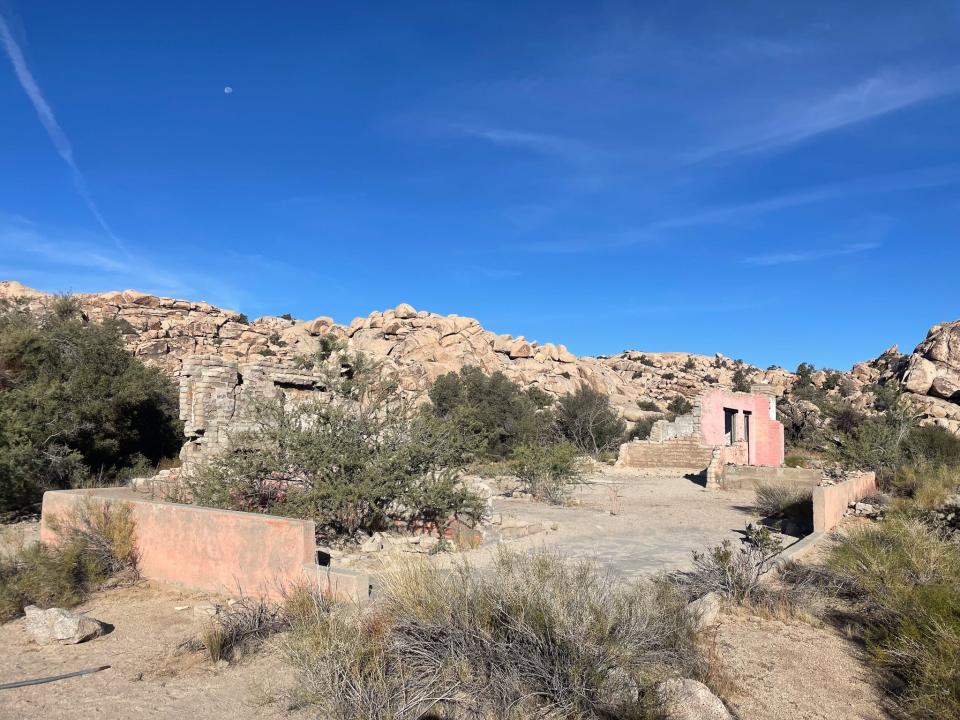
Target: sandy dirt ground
795,670
146,678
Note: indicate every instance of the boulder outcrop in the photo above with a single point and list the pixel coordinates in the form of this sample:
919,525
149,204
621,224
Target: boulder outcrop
221,360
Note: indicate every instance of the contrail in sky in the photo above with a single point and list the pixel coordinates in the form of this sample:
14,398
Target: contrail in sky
49,121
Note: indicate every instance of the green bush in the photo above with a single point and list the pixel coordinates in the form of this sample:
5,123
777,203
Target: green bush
492,414
546,471
649,405
586,419
358,461
741,381
533,636
908,577
75,406
933,444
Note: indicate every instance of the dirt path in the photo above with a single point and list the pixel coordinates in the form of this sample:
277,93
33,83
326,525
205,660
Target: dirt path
795,670
145,680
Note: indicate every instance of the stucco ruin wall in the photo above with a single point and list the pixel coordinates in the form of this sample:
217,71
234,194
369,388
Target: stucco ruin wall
217,551
830,502
766,434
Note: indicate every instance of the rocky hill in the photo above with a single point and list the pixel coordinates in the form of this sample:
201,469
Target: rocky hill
166,332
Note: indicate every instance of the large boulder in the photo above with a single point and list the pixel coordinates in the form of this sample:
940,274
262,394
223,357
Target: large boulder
920,375
686,699
57,625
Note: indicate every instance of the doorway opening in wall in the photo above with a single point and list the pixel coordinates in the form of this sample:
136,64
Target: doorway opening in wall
729,426
746,435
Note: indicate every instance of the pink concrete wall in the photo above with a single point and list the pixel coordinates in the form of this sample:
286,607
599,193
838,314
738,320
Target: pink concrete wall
216,551
830,502
766,435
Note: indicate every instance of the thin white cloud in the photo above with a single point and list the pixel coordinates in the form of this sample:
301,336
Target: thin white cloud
49,121
657,230
883,93
800,256
541,143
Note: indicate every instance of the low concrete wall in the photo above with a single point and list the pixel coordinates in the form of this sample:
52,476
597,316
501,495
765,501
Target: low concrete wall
830,502
739,477
684,453
217,551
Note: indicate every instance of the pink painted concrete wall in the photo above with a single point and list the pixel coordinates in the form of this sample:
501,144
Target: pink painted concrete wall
218,551
830,502
766,434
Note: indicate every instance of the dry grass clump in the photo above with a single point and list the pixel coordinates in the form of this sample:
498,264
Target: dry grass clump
96,544
244,626
105,534
907,577
925,486
778,500
533,636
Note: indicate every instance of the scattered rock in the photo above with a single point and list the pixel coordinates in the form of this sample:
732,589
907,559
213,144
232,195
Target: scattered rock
62,626
690,700
206,610
705,610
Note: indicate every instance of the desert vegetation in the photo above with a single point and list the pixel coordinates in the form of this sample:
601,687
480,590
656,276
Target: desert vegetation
75,406
533,636
362,459
96,544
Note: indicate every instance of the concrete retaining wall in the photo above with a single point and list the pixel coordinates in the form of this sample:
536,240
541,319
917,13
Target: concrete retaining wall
217,551
830,502
739,477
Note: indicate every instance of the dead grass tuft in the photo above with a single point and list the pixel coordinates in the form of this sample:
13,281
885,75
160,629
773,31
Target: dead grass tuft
534,636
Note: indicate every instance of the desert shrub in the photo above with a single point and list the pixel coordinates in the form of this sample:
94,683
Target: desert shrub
242,319
533,636
733,572
105,533
690,364
587,420
932,444
546,471
641,429
96,544
357,461
741,381
833,380
644,360
492,413
875,444
908,577
795,461
779,500
926,486
846,419
75,406
327,346
669,376
649,405
680,406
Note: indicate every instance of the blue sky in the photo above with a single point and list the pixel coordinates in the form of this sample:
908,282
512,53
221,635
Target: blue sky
778,182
